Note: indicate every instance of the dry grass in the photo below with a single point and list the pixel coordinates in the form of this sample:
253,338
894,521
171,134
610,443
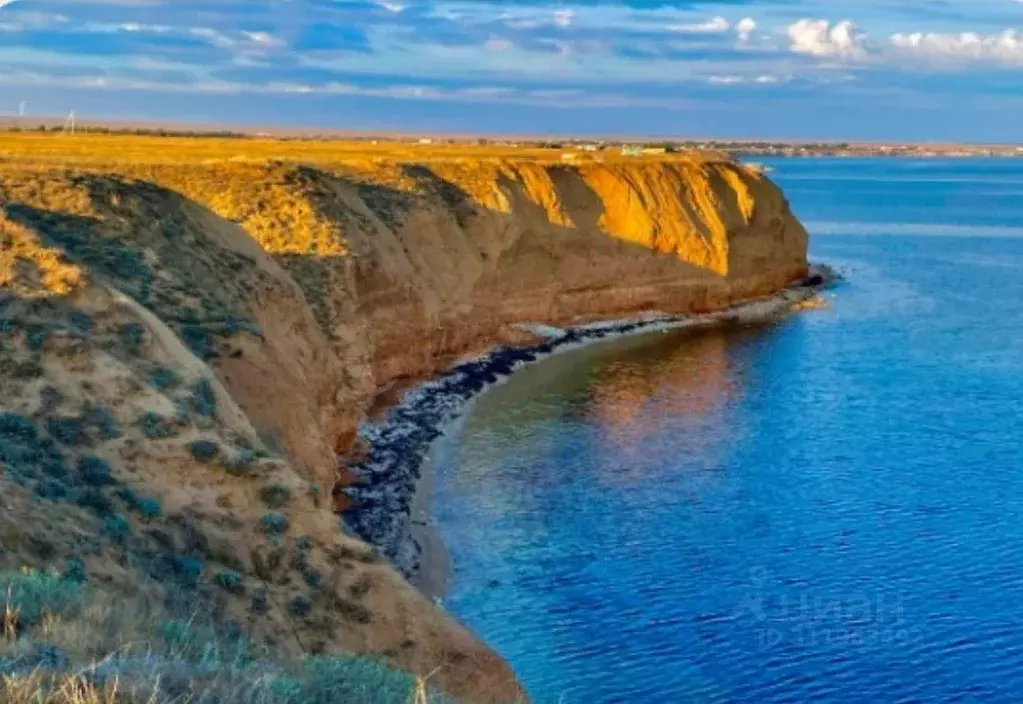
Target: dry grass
131,149
61,643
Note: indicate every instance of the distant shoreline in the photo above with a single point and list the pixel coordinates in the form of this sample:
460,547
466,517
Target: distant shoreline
735,147
398,473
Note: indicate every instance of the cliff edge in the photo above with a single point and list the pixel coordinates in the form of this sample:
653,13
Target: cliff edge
189,345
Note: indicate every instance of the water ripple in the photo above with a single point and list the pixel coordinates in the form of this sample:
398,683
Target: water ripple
825,509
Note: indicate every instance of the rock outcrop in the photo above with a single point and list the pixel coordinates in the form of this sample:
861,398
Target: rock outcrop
187,349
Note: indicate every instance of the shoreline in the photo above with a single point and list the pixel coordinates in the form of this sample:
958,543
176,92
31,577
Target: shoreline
392,511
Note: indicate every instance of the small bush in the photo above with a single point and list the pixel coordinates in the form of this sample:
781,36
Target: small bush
80,321
312,577
95,500
204,399
204,645
260,602
133,334
164,379
94,471
156,427
51,489
188,315
204,451
32,595
36,336
102,420
50,398
117,527
276,495
231,581
353,679
186,569
300,606
13,425
74,572
275,523
67,430
200,341
146,507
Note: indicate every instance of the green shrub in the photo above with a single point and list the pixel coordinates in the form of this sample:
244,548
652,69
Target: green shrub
51,489
204,399
117,527
133,334
80,321
15,426
275,523
204,645
276,495
95,500
74,572
300,606
67,430
231,581
35,337
204,451
200,341
94,471
32,595
164,379
156,427
146,507
50,398
352,679
102,420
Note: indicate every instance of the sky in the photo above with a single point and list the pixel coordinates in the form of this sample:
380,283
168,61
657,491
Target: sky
788,69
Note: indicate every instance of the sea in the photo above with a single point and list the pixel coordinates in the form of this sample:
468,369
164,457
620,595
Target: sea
828,507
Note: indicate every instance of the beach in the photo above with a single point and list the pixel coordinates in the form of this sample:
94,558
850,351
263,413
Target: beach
392,498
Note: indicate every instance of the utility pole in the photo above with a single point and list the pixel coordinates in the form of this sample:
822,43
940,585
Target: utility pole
69,123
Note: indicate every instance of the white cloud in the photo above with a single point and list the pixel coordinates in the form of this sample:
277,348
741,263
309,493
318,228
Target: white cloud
214,37
264,39
745,28
822,38
731,80
1005,47
564,18
726,80
711,26
391,6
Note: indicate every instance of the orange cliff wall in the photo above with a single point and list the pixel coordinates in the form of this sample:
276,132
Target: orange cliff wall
302,293
404,267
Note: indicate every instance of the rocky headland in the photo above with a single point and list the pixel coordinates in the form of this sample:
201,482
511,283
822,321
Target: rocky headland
193,332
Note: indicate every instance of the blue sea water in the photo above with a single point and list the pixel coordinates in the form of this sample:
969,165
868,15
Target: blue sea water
826,508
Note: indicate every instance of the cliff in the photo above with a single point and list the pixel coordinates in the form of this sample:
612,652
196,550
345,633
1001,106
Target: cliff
188,345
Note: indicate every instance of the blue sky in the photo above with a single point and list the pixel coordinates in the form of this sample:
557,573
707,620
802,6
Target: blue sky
864,69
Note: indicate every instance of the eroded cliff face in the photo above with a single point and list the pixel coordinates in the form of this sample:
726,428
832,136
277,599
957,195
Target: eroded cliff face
210,336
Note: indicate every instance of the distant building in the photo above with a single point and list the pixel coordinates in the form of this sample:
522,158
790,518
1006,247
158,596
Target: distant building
426,140
632,150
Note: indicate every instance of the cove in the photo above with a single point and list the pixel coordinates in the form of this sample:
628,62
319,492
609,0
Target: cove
826,507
